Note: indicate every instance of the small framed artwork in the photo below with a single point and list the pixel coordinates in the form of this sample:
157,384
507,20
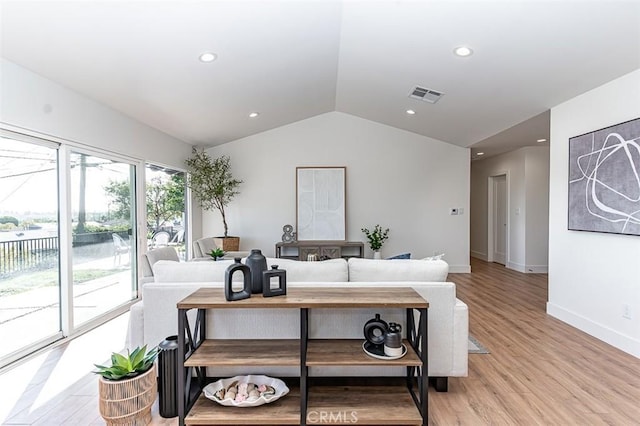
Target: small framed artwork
321,203
604,180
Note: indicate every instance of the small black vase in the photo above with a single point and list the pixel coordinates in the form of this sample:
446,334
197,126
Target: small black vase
257,263
245,293
281,275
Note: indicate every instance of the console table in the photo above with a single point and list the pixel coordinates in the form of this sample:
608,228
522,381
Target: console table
299,250
387,404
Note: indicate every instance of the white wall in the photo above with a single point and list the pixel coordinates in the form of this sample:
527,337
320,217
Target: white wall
527,182
591,275
24,96
536,165
398,179
34,105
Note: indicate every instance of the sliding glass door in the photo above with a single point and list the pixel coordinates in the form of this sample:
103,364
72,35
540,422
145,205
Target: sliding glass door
29,242
102,194
166,209
67,241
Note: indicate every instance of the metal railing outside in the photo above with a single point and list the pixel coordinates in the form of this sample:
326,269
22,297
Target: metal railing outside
27,254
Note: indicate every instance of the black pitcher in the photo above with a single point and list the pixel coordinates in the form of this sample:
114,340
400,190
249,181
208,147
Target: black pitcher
257,263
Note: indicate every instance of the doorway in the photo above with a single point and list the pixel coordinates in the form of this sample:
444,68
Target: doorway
498,218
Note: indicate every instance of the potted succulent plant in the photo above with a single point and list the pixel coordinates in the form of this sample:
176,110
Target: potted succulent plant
376,238
214,186
217,253
128,387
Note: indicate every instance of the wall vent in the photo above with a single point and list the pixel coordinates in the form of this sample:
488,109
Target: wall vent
424,94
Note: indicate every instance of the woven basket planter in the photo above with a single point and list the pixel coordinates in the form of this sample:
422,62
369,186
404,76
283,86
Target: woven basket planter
228,243
128,402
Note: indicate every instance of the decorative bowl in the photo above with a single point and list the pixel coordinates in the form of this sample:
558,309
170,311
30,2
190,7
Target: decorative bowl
278,385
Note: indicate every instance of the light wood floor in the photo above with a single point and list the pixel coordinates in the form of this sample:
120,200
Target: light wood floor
540,370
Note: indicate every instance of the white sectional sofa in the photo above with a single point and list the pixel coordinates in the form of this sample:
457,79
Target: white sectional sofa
155,318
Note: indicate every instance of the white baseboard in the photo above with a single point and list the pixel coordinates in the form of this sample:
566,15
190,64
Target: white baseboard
479,255
460,269
614,338
537,269
516,266
528,269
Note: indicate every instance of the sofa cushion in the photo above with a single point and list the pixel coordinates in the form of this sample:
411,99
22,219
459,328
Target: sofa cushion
321,271
210,271
399,270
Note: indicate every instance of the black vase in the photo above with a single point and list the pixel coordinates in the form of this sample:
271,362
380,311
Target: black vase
375,330
281,275
393,337
257,263
168,377
245,293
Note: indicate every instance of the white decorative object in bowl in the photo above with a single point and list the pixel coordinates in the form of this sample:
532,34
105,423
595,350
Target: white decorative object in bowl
273,390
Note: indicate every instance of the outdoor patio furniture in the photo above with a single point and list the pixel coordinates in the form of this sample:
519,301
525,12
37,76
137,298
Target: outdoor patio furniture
160,239
177,239
120,247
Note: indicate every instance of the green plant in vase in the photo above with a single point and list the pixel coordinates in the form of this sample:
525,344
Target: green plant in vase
217,253
128,388
376,238
130,365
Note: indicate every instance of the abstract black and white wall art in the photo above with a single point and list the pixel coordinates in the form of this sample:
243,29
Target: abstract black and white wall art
604,180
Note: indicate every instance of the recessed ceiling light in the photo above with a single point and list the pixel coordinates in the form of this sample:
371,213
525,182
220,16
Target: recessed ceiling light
480,153
463,51
410,112
254,114
541,140
208,57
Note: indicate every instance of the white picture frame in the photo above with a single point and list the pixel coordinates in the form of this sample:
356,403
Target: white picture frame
321,203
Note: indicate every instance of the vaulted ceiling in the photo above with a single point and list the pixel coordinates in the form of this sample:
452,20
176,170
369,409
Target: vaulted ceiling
290,60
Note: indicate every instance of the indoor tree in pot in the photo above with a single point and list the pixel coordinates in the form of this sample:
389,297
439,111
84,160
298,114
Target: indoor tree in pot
214,186
376,238
128,387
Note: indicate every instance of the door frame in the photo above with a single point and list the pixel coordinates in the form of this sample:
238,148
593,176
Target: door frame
491,217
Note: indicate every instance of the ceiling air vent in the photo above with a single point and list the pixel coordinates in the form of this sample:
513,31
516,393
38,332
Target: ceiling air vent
427,95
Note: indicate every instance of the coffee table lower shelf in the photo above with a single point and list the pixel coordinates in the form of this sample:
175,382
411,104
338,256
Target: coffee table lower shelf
337,405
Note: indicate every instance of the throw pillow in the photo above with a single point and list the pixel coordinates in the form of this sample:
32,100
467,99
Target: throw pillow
435,257
400,256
